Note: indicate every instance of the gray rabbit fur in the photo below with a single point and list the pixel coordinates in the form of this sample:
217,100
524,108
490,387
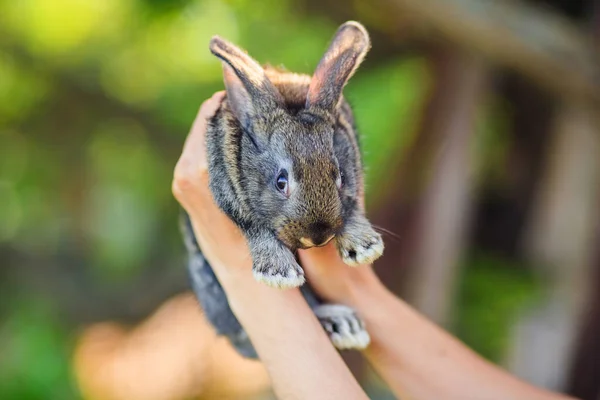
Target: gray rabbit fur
285,166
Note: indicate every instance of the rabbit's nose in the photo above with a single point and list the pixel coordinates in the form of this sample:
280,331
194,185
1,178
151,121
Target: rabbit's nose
308,242
327,240
319,234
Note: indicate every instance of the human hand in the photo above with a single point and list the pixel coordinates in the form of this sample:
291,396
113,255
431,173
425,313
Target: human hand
332,279
221,241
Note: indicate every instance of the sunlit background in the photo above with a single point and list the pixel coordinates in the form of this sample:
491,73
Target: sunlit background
480,140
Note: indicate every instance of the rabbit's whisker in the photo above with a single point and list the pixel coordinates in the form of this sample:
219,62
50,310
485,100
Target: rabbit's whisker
387,232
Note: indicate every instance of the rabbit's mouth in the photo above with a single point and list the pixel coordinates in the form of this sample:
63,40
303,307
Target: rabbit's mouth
295,235
307,243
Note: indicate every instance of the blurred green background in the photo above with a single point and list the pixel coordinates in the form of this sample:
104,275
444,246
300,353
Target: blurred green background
96,99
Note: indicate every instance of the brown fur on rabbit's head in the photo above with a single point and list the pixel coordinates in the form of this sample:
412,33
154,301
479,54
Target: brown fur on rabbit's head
299,179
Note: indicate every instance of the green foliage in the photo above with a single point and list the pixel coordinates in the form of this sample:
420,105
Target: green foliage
34,362
128,180
492,142
96,98
387,103
20,91
491,293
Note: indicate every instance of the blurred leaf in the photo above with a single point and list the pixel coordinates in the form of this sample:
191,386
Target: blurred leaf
59,27
14,156
387,103
165,6
34,361
492,142
492,293
127,184
20,91
171,50
11,212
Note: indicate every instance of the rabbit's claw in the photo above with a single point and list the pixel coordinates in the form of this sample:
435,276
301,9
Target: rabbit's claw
280,272
343,326
362,247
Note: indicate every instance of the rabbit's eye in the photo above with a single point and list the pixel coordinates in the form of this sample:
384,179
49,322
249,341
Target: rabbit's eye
282,182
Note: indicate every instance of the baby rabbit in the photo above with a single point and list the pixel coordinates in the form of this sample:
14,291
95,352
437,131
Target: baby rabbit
284,165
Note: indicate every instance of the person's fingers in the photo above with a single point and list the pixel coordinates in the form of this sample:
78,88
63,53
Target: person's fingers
214,230
190,180
329,276
193,155
195,146
320,256
190,183
322,264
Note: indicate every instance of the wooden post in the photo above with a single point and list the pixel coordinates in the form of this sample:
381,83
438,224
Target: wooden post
429,206
559,243
444,215
584,374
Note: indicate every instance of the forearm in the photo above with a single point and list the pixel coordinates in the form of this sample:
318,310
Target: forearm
421,361
300,359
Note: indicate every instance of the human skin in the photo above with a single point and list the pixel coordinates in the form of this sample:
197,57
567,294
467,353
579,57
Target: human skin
416,358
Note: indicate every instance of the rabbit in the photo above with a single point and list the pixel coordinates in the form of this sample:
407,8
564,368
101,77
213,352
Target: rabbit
285,166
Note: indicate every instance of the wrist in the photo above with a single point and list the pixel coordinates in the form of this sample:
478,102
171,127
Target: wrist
244,292
233,279
238,286
361,285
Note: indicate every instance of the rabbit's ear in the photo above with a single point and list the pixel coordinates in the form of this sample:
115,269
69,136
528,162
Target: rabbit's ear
249,91
345,53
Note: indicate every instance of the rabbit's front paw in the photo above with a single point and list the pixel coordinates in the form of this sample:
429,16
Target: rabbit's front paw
278,270
343,326
360,246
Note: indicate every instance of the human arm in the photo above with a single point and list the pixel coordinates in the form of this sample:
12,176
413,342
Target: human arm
173,354
416,358
291,343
